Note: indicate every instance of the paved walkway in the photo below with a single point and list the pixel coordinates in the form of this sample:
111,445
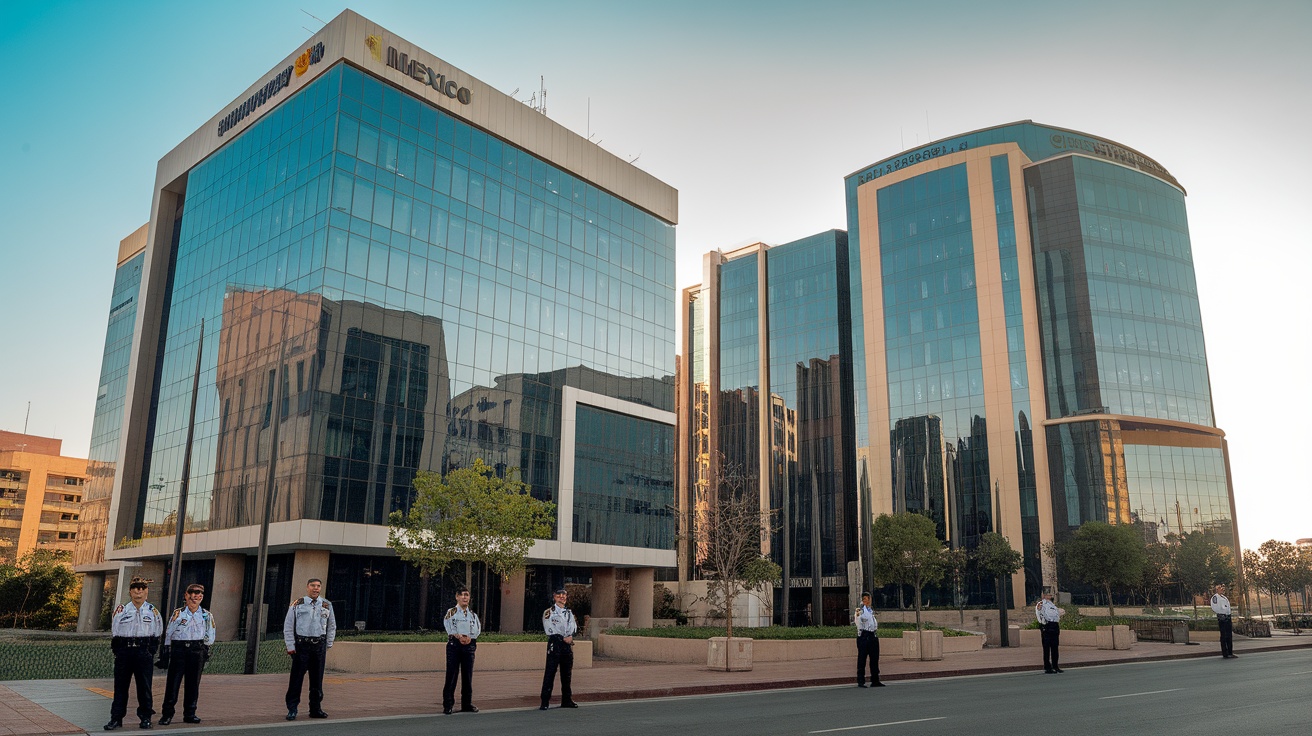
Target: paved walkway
77,706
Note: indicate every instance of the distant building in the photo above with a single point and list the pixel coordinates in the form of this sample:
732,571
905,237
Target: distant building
40,495
765,396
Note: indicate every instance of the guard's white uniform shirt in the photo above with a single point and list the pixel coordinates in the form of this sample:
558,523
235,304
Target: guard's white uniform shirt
309,618
1220,605
137,622
865,619
1047,612
559,621
188,625
462,621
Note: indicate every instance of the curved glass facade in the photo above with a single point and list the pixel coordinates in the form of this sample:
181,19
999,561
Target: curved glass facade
425,291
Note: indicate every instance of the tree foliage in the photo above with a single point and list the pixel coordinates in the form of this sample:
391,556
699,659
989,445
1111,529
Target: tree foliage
38,591
907,552
1201,565
731,531
1159,559
1281,572
470,515
1106,556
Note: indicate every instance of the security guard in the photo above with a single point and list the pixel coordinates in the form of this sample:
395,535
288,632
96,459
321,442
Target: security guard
1221,607
187,643
462,628
308,631
1049,616
867,643
558,621
136,629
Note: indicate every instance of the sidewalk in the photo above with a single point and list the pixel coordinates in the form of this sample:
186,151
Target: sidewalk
75,706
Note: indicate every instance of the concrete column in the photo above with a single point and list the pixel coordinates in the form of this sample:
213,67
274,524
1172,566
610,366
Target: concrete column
642,581
224,599
311,563
125,575
512,603
603,592
93,594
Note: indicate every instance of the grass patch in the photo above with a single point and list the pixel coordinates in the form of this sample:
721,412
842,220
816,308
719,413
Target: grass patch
886,631
55,659
1078,622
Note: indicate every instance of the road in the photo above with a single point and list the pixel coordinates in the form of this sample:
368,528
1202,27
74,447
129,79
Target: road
1258,693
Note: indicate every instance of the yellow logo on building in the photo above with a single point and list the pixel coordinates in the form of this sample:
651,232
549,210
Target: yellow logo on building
302,63
375,46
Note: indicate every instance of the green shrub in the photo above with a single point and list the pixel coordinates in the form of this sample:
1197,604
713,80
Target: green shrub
886,631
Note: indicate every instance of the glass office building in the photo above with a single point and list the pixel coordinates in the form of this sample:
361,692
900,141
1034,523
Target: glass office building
397,269
1034,356
768,392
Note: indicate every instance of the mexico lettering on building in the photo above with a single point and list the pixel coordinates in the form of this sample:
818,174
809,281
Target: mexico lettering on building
414,69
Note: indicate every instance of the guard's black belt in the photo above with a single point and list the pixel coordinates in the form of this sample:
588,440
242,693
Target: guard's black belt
309,640
189,643
135,641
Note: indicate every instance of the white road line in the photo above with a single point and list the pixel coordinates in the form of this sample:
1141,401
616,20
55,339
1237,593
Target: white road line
877,725
1309,672
1134,695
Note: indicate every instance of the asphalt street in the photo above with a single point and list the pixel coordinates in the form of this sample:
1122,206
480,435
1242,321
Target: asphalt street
1258,693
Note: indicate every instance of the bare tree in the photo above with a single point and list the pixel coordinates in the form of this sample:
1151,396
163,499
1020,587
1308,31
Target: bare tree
731,530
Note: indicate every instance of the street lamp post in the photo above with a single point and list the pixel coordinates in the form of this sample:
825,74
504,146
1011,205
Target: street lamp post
255,621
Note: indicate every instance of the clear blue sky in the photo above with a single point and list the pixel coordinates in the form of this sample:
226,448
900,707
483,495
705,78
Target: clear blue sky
753,110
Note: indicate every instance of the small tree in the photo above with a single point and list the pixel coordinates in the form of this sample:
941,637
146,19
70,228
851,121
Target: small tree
469,515
957,566
995,558
907,552
1201,565
1156,571
731,530
1254,577
1106,557
38,591
1280,571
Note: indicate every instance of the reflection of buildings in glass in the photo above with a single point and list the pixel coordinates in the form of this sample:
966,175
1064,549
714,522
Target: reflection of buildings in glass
362,395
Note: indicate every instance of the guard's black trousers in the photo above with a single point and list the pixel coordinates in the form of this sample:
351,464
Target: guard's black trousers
1051,635
185,664
867,645
1227,627
459,662
560,655
308,658
133,663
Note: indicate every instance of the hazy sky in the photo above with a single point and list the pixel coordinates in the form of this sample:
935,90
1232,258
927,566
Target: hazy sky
754,111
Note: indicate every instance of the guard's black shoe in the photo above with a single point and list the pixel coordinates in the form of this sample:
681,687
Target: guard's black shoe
291,714
145,723
113,724
570,704
446,711
1058,670
166,720
318,714
1050,672
186,719
877,684
544,706
860,684
469,709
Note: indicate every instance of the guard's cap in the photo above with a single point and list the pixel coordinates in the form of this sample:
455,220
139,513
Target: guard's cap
865,594
560,591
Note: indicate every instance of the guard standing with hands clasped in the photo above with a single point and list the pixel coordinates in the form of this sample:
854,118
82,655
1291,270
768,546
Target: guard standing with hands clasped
186,647
867,643
558,621
136,628
1049,616
1221,607
462,628
308,632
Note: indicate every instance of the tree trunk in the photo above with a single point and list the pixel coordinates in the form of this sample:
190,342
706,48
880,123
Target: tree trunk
1004,632
469,574
918,584
1293,620
424,577
1111,610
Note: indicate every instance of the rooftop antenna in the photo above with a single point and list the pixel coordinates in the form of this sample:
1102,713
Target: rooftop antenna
312,15
29,416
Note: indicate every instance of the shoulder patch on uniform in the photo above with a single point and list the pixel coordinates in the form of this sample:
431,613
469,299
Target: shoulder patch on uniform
294,603
119,609
546,614
176,612
450,612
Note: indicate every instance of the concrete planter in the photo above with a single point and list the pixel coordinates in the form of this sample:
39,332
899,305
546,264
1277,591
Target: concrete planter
1124,638
922,645
1113,637
729,655
430,656
693,651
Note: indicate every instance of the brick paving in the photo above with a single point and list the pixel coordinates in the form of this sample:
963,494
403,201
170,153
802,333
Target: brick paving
235,700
